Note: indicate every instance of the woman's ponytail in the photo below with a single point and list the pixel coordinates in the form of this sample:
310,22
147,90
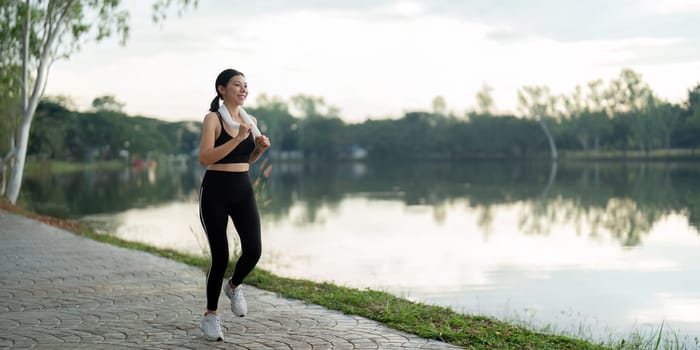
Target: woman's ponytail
214,104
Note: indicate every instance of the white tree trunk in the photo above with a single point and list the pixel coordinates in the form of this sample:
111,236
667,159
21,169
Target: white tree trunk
29,105
552,146
17,171
15,181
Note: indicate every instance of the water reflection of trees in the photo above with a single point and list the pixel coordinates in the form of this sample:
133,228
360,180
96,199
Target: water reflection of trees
76,194
624,200
622,219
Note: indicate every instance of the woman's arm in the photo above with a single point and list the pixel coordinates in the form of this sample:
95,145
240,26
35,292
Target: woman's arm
262,143
208,154
260,148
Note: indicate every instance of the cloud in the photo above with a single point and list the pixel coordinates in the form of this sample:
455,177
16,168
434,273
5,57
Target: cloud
367,58
650,51
404,8
667,7
505,35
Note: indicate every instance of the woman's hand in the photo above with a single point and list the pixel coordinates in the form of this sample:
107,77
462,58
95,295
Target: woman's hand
243,131
262,142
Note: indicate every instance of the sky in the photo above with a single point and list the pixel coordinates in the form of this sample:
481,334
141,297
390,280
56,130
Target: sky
379,59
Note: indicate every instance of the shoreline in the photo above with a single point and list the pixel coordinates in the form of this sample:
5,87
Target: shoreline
427,321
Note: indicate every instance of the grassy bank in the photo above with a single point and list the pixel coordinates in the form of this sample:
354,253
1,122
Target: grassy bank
435,322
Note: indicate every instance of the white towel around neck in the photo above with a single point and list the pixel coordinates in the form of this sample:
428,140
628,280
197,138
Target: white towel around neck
246,118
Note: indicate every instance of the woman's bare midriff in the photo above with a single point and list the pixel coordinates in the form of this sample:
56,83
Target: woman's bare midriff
232,167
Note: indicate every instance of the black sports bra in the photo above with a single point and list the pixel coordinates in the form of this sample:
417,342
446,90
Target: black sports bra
240,154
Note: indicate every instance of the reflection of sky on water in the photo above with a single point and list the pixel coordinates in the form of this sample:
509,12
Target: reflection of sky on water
174,225
577,273
503,273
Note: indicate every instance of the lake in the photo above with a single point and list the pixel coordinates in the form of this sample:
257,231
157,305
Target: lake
594,250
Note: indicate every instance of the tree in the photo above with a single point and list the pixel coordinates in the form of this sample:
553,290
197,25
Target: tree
587,115
693,103
597,119
276,122
10,73
484,100
64,101
439,105
693,107
574,110
688,129
107,103
47,31
306,106
536,102
319,125
628,93
660,119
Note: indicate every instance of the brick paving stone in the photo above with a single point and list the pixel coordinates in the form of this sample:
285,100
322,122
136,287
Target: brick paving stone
62,291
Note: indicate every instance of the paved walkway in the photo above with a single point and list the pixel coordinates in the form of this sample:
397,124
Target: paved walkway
62,291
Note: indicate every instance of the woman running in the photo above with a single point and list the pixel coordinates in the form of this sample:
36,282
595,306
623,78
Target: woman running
227,149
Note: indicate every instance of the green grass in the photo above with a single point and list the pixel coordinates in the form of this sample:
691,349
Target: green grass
429,321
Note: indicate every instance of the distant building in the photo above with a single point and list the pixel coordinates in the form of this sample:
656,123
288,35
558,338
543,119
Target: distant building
353,152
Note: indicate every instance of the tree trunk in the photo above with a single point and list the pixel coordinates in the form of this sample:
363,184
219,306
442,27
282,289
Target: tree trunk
29,105
552,146
22,136
15,181
583,141
596,144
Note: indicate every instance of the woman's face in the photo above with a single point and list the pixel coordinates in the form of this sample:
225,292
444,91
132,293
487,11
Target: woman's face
236,90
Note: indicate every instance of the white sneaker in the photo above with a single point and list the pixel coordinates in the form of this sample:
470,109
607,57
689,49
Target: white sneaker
211,327
238,304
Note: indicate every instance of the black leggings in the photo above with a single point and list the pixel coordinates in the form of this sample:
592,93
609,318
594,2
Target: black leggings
225,194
